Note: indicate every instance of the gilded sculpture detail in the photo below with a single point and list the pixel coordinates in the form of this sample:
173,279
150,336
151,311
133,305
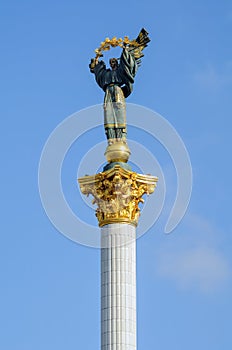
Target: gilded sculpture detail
117,194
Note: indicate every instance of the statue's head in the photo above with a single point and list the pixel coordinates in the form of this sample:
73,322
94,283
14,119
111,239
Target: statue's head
113,63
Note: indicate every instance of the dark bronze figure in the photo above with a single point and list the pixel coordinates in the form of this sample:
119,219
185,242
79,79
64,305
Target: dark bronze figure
117,82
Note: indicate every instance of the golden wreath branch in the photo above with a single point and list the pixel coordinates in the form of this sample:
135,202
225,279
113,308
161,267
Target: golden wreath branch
114,42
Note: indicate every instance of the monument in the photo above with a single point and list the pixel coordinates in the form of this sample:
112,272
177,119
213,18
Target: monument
117,193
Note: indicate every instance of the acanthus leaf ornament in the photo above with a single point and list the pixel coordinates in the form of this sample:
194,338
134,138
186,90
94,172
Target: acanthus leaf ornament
117,193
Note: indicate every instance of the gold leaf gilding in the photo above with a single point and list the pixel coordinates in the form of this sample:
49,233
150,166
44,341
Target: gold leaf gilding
117,193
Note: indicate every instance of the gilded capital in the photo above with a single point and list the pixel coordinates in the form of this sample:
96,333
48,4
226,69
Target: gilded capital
117,193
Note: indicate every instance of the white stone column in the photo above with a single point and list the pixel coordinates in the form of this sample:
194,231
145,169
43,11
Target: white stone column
118,287
117,193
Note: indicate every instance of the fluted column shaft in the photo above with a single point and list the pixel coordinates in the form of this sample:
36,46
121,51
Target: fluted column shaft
118,287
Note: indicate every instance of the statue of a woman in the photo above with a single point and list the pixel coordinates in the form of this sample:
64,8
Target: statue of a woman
117,83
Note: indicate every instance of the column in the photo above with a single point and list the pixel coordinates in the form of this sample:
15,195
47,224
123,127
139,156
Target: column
118,287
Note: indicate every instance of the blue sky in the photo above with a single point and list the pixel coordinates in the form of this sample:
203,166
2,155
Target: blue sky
50,286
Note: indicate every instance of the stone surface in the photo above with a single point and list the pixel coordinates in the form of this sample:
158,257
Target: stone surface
118,287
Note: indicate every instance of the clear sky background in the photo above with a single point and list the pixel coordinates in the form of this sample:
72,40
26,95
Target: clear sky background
49,285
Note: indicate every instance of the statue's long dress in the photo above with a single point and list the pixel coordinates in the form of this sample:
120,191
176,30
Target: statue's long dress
114,113
117,85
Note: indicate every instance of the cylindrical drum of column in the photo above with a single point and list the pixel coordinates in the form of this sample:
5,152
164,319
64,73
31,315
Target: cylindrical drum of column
118,287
